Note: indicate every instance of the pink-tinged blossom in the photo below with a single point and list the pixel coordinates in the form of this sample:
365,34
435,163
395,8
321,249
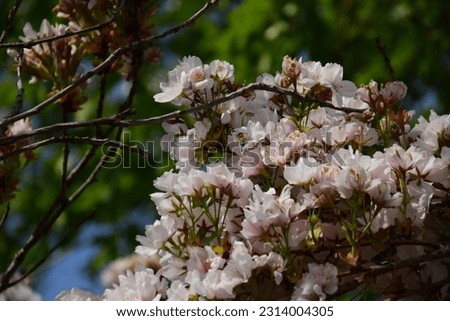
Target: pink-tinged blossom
20,127
218,283
431,169
354,103
267,214
199,78
301,173
215,285
233,112
279,151
219,175
419,203
241,263
222,70
427,134
250,163
201,128
178,291
363,174
275,262
329,76
172,267
266,208
203,259
354,180
385,218
317,283
77,295
173,131
178,80
283,197
332,76
156,235
386,96
400,159
142,285
393,92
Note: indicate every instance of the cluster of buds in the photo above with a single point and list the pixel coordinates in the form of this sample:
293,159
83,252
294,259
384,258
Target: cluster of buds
133,23
57,61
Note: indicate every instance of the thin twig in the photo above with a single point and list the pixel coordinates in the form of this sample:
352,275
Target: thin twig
11,15
101,101
32,43
118,122
91,152
43,227
108,62
99,142
105,157
20,90
63,240
382,269
65,163
5,215
387,62
374,271
81,164
430,289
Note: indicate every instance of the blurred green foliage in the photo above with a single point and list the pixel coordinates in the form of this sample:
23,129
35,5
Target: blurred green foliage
253,35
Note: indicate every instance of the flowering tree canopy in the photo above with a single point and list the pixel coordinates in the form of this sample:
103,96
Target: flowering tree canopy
308,189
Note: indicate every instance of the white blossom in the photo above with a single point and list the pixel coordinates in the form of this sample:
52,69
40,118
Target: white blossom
142,285
317,283
77,295
21,291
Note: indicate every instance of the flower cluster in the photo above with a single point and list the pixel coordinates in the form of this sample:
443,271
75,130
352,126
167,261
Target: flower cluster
56,62
133,22
301,193
22,291
59,61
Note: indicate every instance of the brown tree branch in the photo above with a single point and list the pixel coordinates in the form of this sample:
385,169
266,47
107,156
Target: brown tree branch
108,62
44,225
364,275
429,289
98,142
5,215
11,15
118,122
20,90
32,43
65,163
387,61
61,242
